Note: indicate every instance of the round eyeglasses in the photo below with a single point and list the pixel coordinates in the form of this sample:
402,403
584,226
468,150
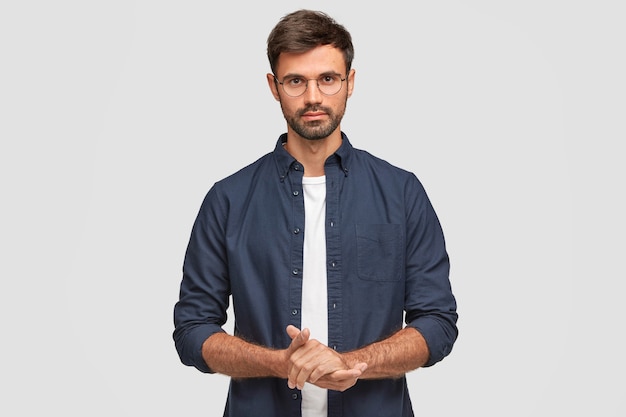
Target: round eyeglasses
328,84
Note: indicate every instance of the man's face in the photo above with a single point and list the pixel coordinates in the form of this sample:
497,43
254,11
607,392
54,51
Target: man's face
312,115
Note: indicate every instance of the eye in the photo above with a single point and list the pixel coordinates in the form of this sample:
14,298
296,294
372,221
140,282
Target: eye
294,82
328,79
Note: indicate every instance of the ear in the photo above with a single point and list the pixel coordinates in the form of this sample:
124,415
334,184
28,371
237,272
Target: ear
271,82
350,81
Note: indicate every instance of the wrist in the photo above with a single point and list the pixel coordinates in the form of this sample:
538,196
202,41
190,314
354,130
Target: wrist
279,363
351,359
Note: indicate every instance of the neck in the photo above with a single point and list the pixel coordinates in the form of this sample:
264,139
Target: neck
312,154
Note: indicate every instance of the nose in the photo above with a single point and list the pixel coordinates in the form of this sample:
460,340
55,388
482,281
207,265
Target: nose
312,95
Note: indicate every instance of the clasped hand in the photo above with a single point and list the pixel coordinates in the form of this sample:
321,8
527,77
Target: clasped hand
311,361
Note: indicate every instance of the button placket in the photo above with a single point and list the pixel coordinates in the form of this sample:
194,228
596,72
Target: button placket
297,243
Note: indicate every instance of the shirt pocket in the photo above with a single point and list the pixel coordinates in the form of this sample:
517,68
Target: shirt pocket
379,253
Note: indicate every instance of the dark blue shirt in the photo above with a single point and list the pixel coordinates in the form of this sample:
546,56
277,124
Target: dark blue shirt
386,263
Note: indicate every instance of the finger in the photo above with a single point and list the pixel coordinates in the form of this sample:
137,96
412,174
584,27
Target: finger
328,364
292,331
339,380
298,373
303,373
298,356
304,361
345,375
298,340
341,377
301,377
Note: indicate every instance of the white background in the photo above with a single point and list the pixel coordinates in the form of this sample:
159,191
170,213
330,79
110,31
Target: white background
117,116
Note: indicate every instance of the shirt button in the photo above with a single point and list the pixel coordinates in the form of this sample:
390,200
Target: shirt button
294,312
333,264
295,272
294,396
296,230
296,193
332,223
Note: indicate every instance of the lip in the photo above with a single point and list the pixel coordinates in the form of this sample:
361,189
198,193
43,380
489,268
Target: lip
314,115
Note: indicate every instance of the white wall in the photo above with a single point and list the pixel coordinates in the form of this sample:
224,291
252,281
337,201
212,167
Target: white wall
117,116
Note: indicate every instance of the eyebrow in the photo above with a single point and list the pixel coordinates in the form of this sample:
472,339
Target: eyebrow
323,74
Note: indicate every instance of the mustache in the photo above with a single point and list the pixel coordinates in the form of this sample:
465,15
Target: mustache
313,109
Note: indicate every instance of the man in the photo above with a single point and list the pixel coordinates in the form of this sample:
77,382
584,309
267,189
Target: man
318,236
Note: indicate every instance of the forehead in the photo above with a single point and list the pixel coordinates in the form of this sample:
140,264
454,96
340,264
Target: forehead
319,60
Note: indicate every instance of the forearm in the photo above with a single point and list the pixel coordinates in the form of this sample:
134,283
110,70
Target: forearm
393,357
233,356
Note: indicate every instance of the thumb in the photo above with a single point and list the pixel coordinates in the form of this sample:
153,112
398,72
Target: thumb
298,338
292,331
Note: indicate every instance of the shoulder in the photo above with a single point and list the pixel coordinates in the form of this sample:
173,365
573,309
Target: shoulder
367,162
236,186
247,174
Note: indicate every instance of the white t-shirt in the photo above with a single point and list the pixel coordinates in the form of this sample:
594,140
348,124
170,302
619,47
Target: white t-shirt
314,290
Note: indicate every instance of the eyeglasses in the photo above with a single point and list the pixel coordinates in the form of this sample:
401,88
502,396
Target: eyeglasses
328,84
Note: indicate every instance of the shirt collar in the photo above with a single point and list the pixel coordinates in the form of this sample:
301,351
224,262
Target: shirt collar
284,160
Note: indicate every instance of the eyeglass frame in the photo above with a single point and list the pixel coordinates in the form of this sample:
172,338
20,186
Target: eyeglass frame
317,82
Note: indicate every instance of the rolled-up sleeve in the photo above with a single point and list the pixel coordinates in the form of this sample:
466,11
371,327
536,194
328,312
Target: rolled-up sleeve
430,305
204,291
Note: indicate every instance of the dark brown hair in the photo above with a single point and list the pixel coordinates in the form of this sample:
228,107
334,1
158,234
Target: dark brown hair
303,30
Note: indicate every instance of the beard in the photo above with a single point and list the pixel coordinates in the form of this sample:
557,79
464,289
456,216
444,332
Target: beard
316,129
